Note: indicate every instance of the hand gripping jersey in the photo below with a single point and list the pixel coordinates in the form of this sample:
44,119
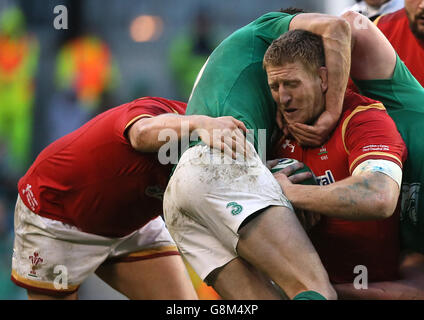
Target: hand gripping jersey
410,49
93,179
364,132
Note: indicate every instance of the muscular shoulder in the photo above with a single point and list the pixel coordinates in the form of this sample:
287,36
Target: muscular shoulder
353,100
362,112
368,132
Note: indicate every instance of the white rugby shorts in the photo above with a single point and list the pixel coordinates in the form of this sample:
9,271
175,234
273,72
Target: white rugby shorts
55,258
207,199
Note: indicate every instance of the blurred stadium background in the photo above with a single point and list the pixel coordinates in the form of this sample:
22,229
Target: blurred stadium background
52,81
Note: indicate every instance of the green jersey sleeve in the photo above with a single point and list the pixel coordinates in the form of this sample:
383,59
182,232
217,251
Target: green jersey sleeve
233,81
401,91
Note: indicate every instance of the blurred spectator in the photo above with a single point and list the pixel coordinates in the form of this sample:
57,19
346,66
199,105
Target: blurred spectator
19,53
405,31
373,8
85,75
19,57
188,53
7,288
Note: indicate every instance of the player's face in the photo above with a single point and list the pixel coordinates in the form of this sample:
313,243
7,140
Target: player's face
298,92
415,12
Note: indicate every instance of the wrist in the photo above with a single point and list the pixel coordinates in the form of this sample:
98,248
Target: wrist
196,122
288,192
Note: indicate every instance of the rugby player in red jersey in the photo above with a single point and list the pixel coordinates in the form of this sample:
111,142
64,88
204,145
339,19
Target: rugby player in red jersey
383,76
405,31
359,168
92,200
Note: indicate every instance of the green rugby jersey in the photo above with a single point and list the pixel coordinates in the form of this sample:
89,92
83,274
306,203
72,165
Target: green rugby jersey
233,81
401,92
403,97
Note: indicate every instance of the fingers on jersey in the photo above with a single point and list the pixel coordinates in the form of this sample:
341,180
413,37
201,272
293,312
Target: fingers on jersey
231,142
224,134
240,124
272,163
289,170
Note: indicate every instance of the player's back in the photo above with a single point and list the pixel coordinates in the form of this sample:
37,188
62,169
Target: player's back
92,178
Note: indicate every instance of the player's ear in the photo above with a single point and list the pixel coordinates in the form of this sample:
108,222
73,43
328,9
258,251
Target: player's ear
323,74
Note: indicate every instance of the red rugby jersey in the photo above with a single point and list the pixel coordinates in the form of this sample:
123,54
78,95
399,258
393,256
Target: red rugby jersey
365,131
93,179
395,27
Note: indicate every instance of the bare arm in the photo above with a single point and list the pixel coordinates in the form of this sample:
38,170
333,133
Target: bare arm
371,195
224,133
336,35
373,57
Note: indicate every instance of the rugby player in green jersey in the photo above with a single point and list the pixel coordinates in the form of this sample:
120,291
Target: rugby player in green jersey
230,219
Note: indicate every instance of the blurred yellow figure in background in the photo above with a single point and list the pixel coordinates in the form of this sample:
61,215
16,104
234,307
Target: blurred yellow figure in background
85,65
203,291
19,54
188,53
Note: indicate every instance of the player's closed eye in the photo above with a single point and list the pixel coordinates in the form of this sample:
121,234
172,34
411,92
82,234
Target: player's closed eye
291,84
274,87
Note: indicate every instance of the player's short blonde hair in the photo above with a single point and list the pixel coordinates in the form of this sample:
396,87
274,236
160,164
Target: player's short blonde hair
296,45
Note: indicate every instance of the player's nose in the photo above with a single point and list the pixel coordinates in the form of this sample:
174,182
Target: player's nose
285,97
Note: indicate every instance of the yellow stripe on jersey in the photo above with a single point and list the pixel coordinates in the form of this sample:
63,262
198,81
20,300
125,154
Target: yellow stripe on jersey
376,153
41,284
145,98
152,251
175,111
378,19
378,106
138,118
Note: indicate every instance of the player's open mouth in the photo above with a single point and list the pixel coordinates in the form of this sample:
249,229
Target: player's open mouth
290,110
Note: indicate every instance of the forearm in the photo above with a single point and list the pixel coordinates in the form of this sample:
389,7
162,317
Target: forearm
149,135
336,35
355,198
366,39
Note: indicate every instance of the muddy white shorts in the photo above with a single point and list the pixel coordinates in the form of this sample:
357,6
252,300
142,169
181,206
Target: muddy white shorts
208,198
52,257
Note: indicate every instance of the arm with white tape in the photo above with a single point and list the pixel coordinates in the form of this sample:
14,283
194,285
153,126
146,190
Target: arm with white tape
370,193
